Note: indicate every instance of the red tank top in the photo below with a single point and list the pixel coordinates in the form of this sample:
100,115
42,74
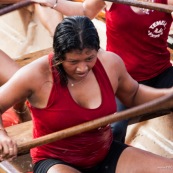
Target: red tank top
86,149
140,40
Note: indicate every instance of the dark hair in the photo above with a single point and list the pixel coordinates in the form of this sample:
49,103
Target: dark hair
73,33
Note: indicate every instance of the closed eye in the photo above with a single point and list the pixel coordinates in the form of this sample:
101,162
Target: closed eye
73,62
89,59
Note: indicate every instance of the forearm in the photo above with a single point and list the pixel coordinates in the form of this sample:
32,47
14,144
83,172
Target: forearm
87,8
2,129
22,110
145,94
44,14
69,8
1,124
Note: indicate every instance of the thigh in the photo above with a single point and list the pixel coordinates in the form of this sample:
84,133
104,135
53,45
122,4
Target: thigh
61,168
133,160
53,166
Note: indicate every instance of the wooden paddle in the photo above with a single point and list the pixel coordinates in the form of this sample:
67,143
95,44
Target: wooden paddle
162,104
137,3
15,6
148,5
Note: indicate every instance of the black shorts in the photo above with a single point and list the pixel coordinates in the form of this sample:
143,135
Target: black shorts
108,165
163,80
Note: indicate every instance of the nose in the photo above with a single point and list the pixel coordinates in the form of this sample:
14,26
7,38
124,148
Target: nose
82,67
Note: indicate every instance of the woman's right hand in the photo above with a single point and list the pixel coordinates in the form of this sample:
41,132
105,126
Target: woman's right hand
8,147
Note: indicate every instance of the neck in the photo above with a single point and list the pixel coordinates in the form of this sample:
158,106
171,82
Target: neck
74,83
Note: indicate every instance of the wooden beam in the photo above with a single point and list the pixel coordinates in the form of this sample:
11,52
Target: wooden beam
25,59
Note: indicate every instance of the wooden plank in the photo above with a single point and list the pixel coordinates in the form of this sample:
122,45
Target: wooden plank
25,59
23,163
21,132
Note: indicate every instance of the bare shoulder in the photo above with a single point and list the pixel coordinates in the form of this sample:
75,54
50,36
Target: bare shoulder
109,59
33,74
41,63
27,82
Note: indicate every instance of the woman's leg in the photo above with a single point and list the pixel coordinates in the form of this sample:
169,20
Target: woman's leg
133,160
60,168
53,166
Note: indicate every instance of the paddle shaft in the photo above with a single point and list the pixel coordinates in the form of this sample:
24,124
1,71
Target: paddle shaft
15,6
161,104
149,5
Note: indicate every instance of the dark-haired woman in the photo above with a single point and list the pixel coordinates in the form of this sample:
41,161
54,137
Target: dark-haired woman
75,84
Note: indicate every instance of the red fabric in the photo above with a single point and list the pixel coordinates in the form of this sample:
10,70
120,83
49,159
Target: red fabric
86,149
10,118
140,40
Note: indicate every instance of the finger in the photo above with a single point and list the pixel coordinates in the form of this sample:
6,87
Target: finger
1,158
12,149
1,148
14,153
1,152
4,152
9,150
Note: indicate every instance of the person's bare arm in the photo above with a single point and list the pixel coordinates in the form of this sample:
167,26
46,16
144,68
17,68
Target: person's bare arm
7,67
88,8
125,87
170,2
132,94
48,17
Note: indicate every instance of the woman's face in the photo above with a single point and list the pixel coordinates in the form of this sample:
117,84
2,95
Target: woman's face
78,63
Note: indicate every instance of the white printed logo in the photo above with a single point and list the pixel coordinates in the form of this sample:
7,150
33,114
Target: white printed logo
157,28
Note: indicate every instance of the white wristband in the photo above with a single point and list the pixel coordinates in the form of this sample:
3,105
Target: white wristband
55,5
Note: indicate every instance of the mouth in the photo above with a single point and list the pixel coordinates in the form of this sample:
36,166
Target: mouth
82,75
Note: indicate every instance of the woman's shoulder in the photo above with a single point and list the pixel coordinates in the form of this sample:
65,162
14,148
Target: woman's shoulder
35,71
38,64
109,58
113,64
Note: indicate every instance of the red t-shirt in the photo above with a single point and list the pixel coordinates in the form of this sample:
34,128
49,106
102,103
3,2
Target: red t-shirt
86,149
139,39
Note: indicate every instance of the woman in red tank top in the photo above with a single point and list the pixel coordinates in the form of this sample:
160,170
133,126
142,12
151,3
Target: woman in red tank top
138,35
75,84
